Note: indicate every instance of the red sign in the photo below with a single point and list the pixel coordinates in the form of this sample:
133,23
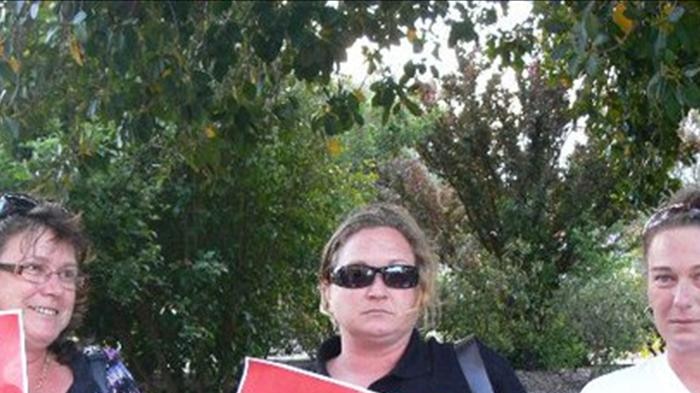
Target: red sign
13,370
262,376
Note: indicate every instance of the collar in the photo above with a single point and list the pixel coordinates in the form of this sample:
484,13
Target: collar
415,361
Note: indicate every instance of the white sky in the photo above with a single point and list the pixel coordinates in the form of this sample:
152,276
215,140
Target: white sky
396,56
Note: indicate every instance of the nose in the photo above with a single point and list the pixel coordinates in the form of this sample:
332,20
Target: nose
683,296
378,289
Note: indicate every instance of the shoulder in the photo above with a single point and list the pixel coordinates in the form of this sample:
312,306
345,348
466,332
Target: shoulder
644,377
499,370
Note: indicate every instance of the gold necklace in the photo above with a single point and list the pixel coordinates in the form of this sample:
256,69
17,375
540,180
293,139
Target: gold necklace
42,376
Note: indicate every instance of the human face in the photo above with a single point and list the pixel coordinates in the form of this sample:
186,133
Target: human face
673,287
47,308
376,313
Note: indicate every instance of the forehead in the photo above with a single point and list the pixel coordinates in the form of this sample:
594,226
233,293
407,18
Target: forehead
675,247
376,245
39,244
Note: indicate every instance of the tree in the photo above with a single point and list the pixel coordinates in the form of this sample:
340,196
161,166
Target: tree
638,64
198,162
535,217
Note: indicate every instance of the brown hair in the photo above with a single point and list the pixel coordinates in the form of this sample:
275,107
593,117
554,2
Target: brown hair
382,215
65,227
682,209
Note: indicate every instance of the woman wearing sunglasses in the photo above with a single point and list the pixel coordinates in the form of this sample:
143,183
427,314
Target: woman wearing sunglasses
377,275
671,240
42,252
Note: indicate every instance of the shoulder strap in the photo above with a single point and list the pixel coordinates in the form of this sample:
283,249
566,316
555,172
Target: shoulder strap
98,367
472,366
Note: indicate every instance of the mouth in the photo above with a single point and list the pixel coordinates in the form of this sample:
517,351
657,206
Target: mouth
684,321
47,311
376,311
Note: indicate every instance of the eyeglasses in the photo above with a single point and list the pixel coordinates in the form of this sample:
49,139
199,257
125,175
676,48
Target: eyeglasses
35,273
361,276
11,204
692,213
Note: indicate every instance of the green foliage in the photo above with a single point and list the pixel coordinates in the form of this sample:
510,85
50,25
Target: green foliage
138,63
536,222
639,67
603,298
193,271
193,137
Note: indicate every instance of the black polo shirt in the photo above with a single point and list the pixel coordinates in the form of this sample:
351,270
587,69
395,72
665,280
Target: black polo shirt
430,367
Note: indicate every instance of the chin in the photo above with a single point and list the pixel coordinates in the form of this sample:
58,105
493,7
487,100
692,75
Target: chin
684,345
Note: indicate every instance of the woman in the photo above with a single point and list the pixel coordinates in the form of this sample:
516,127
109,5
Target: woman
672,267
378,346
42,252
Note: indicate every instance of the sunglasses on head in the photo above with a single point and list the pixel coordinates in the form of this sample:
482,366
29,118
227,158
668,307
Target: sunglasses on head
11,204
690,211
361,276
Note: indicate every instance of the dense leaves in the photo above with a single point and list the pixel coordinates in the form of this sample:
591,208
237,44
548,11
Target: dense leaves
638,64
535,216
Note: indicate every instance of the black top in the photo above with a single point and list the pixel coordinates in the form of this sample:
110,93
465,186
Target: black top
430,367
82,377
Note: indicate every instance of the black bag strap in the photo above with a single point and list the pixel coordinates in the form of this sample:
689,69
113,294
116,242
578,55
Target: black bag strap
472,365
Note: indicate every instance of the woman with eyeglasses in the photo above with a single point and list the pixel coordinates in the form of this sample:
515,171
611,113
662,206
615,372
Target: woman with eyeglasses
376,277
42,252
671,241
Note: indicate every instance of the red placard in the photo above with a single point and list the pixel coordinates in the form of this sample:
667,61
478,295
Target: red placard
13,364
262,376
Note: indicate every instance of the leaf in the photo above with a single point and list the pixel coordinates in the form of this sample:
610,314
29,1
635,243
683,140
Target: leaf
333,146
14,64
34,10
6,72
676,14
461,31
210,131
76,52
660,44
592,65
13,126
623,22
409,70
488,16
691,72
600,39
691,94
79,17
411,35
412,107
359,95
50,33
591,24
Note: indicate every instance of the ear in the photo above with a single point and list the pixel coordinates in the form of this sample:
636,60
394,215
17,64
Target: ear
325,291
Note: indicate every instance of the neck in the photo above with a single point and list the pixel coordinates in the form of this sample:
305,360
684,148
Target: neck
36,356
37,364
686,365
362,361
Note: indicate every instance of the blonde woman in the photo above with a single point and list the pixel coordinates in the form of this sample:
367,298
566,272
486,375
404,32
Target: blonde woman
377,275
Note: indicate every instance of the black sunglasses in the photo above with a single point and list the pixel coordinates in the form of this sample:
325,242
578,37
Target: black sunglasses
361,276
11,204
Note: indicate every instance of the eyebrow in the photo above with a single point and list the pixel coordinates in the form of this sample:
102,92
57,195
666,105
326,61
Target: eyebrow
663,269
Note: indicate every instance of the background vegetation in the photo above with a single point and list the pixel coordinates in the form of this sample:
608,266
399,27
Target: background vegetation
212,151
